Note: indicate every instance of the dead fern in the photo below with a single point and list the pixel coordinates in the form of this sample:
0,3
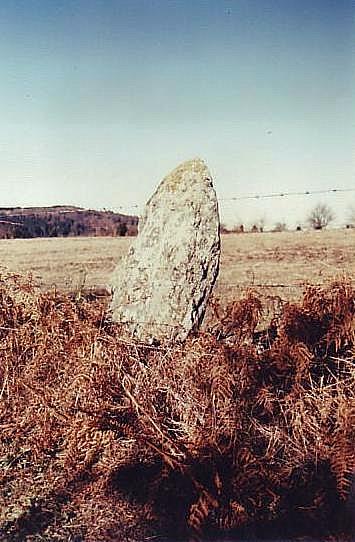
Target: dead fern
104,440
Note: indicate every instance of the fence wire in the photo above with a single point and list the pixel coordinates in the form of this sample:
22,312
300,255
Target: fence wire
241,197
237,197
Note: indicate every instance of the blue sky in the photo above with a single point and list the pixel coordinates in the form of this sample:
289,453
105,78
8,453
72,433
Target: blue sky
101,98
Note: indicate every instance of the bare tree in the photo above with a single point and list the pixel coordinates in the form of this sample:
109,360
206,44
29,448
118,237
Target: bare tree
320,216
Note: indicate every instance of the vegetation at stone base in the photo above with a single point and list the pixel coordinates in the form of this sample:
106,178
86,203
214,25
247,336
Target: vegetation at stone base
235,431
61,221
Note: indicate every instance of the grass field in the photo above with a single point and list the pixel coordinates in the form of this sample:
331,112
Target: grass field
288,258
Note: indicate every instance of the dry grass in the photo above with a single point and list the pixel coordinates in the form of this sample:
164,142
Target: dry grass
233,431
65,263
248,259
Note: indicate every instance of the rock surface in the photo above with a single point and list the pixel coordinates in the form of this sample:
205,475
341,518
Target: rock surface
161,290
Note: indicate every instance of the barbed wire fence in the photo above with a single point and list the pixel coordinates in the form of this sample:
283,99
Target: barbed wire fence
223,200
237,197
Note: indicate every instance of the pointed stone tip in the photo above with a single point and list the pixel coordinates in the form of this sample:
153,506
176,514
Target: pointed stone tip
194,164
196,161
185,172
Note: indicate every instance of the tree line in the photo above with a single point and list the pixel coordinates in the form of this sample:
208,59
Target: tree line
67,224
318,219
60,222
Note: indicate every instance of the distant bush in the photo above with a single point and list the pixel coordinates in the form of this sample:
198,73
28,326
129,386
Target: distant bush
279,227
224,229
233,229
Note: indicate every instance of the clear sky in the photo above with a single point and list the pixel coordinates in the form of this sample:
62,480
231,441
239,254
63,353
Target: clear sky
99,99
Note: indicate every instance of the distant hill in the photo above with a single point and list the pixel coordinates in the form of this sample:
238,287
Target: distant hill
63,221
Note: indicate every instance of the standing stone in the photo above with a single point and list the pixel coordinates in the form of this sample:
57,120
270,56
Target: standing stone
161,290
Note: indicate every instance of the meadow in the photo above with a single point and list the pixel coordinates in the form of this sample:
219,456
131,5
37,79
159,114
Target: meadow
245,431
288,259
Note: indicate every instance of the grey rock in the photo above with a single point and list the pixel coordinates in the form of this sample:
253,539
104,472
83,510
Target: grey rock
161,289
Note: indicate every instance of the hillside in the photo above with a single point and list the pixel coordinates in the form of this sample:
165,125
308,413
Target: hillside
63,221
